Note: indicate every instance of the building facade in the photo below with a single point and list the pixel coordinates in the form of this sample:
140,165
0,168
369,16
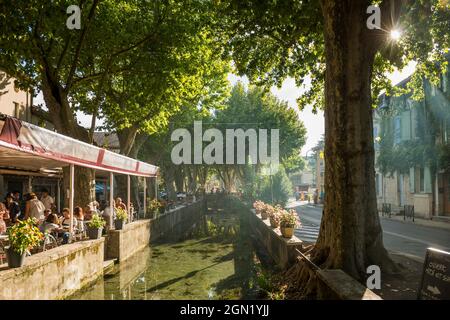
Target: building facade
18,103
412,148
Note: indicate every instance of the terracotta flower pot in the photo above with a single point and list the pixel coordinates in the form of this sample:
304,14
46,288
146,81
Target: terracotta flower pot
274,223
264,215
287,232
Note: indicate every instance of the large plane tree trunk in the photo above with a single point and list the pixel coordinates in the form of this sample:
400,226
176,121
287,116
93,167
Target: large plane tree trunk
350,235
63,118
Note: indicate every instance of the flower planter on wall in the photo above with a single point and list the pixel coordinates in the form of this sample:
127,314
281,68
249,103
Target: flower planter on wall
15,260
287,232
94,233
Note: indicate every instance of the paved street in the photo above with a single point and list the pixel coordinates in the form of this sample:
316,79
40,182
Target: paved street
406,237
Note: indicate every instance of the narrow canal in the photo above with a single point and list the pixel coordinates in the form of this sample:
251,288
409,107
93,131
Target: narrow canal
214,260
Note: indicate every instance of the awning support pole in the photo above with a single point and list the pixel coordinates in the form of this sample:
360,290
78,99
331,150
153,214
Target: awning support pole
111,199
156,187
71,195
144,202
129,198
30,187
58,196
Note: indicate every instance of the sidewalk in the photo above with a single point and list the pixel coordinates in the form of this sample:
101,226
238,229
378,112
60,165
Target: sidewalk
295,203
420,221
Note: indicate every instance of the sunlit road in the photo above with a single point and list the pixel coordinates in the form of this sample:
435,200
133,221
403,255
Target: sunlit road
408,238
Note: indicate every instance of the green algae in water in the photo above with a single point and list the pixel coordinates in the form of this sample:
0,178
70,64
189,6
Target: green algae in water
216,261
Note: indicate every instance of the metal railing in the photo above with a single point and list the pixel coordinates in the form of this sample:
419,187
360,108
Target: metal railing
408,212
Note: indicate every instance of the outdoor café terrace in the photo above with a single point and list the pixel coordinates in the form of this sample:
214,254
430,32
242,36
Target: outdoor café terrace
29,150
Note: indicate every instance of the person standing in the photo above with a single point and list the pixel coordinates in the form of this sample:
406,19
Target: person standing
47,200
107,214
20,202
34,208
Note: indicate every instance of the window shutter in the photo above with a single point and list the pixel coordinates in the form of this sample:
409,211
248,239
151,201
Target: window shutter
411,180
397,130
427,180
405,126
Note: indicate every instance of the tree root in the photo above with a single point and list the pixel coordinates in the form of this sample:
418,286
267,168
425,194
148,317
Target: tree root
299,280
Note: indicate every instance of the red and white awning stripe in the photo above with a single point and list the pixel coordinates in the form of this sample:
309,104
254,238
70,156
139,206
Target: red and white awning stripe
30,141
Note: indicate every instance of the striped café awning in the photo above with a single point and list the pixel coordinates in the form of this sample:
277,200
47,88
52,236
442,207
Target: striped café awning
29,147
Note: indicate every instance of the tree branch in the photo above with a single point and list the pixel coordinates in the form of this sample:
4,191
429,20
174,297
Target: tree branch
79,45
41,114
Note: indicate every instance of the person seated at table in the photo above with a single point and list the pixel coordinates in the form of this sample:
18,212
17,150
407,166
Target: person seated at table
13,207
78,214
51,225
4,215
88,213
119,204
65,222
94,207
47,212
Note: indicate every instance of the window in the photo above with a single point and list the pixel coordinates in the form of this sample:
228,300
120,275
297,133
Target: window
378,184
376,138
16,110
445,82
433,90
397,130
445,130
421,180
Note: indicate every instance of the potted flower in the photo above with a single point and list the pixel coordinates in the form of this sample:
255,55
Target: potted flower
274,217
258,205
266,211
157,207
288,222
23,236
95,227
162,206
121,217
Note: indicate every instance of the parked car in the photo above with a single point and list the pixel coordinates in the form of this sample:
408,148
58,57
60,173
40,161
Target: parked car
181,195
163,195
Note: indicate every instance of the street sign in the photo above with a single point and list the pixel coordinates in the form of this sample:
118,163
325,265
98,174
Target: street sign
435,284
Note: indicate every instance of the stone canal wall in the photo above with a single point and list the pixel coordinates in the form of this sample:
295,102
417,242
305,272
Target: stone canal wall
54,274
280,249
333,284
122,244
177,221
58,273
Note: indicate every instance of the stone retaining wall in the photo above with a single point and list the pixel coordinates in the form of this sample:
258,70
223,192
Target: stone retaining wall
281,250
121,244
54,274
177,221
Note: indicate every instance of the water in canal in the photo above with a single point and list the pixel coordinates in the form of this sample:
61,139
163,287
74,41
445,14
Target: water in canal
214,260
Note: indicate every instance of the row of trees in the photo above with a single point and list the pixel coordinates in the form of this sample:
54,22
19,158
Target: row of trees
250,108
